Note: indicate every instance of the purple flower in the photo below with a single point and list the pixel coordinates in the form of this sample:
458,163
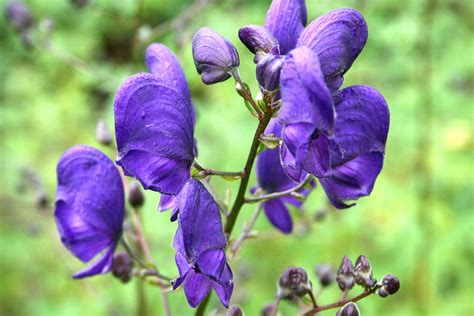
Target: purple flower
199,243
268,72
259,40
154,124
18,15
358,145
272,178
214,56
89,207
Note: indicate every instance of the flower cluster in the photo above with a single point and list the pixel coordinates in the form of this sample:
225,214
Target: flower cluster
318,130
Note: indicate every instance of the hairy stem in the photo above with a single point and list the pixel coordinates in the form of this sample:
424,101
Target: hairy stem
275,195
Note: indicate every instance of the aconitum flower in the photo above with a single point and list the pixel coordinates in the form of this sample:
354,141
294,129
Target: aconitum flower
215,57
199,243
271,178
89,207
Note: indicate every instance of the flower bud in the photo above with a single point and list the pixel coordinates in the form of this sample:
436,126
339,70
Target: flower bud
18,15
215,57
345,274
259,40
293,282
267,310
268,72
122,266
363,272
235,311
390,285
326,274
102,133
135,195
350,309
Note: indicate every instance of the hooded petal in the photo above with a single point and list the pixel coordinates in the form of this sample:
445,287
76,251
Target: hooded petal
199,222
89,207
100,266
259,40
337,38
278,214
224,286
215,57
196,288
286,19
211,263
154,126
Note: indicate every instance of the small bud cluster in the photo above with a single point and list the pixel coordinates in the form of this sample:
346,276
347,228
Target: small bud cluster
294,282
350,309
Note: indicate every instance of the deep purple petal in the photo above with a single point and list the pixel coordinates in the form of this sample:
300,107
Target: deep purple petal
168,202
337,38
286,19
258,39
289,164
317,158
224,286
89,207
212,262
100,266
353,179
154,131
268,72
278,214
199,221
196,288
215,57
362,123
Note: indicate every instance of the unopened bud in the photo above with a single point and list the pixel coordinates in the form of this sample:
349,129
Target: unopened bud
135,195
18,15
326,274
363,272
268,72
293,282
102,133
390,285
235,311
345,274
122,267
350,309
268,309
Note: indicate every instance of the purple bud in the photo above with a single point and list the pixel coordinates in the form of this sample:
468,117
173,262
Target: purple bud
259,40
326,274
122,267
267,310
215,57
350,309
363,272
235,311
293,282
18,15
345,274
268,72
102,133
135,195
390,285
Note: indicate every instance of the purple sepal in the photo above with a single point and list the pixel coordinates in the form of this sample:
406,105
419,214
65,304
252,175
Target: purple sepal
169,202
268,72
259,40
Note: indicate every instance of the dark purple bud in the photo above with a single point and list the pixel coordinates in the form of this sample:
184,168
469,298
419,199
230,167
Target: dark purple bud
268,72
259,40
345,274
350,309
326,274
79,3
363,272
135,195
235,311
122,267
42,200
102,133
293,282
18,15
390,285
267,310
215,57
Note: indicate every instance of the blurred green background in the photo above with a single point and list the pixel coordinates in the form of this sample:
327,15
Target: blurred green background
417,224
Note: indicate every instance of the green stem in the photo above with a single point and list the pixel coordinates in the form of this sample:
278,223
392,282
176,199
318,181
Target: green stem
202,307
275,195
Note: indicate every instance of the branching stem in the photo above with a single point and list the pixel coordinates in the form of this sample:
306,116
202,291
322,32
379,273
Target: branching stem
275,195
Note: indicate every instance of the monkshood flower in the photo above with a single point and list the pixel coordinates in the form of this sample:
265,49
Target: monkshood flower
271,178
89,207
259,41
154,126
215,57
199,243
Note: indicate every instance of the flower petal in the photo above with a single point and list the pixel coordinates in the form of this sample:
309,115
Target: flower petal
196,288
89,207
353,179
337,38
286,19
258,38
154,128
317,158
290,165
211,263
278,214
100,266
268,72
225,286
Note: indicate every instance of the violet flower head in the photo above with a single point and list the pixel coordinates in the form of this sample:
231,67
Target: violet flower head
272,178
215,57
154,124
199,243
89,207
259,40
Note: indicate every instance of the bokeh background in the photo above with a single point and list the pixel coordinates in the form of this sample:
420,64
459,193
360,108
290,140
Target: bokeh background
417,224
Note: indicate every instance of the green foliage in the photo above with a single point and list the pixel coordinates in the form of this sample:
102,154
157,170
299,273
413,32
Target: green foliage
417,224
